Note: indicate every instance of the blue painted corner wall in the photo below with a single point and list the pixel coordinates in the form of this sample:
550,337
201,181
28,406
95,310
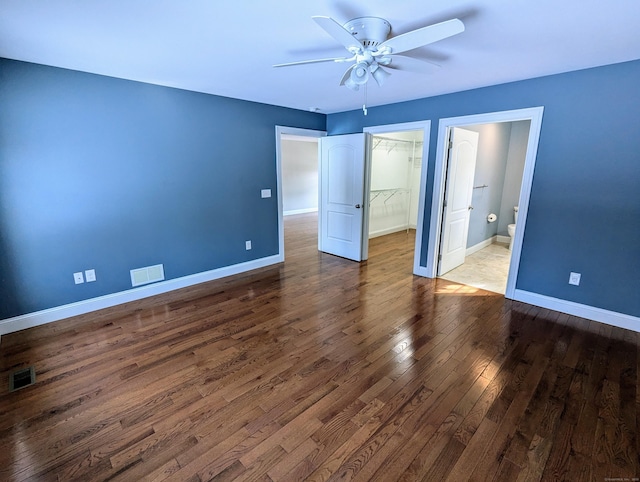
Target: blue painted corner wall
584,210
109,174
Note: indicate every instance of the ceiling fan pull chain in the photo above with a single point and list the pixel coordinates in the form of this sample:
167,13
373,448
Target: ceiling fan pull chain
364,106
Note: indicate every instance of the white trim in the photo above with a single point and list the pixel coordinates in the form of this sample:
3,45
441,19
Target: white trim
503,239
384,232
613,318
288,132
366,195
534,114
300,211
299,137
425,125
30,320
481,245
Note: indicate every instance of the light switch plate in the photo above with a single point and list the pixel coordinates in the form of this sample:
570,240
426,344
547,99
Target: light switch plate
78,278
265,193
247,245
90,275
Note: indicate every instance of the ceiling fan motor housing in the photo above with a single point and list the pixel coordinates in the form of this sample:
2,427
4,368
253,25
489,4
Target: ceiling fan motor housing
370,31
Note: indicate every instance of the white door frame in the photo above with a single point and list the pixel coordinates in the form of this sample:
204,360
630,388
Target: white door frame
534,114
294,131
426,131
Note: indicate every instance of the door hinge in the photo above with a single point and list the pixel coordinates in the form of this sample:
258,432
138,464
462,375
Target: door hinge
444,204
450,144
439,257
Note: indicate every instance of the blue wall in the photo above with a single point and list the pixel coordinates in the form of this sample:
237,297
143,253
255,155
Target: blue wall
584,211
102,173
109,174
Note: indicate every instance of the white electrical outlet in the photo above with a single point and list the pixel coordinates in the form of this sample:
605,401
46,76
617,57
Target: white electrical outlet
265,193
90,275
247,245
574,279
78,278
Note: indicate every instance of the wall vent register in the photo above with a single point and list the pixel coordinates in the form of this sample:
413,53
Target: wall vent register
22,378
149,274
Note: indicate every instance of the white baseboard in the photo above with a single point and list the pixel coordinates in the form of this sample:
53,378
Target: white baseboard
503,239
481,245
300,211
29,320
576,309
383,232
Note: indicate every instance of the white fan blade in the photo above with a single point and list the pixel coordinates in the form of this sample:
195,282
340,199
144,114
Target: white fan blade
402,62
302,62
423,36
339,33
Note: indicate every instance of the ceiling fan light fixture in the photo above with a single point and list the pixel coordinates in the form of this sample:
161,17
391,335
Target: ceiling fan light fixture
380,75
360,73
350,84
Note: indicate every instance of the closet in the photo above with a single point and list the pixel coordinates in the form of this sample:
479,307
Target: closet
396,162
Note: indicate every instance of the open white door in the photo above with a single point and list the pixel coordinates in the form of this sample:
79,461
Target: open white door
342,179
463,150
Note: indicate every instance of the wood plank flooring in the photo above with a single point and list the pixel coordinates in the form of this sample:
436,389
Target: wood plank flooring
323,369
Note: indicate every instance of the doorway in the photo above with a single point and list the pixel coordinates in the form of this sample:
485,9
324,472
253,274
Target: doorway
346,184
299,157
299,175
396,179
488,197
533,119
394,188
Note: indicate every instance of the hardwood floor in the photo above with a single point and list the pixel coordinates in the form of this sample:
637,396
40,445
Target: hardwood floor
323,369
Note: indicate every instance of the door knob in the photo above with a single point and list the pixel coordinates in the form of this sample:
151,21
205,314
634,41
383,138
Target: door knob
357,206
470,208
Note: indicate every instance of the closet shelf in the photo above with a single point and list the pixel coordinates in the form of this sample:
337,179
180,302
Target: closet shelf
391,192
390,144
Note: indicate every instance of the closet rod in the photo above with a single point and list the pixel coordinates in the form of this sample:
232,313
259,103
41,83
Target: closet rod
395,140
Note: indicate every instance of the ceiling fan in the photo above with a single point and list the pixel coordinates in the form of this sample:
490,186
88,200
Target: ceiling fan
366,40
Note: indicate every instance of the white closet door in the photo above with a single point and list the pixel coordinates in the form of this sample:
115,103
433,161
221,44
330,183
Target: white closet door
342,168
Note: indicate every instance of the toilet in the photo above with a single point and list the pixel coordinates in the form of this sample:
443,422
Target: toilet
511,228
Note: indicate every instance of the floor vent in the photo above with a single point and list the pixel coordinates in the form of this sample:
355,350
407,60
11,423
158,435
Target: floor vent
150,274
22,378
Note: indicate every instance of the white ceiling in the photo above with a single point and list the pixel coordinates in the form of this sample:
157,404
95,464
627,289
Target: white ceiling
228,47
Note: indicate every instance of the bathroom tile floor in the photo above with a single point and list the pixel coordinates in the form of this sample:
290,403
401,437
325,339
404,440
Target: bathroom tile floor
486,269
